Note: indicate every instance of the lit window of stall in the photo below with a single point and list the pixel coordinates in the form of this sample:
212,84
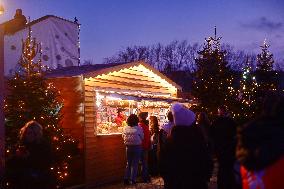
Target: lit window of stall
113,110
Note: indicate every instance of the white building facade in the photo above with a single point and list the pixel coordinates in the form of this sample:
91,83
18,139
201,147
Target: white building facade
59,40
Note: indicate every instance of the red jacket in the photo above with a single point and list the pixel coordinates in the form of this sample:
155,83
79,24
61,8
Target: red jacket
146,143
269,178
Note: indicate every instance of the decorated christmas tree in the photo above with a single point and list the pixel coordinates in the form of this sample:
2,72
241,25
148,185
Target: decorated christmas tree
31,97
213,84
267,78
247,92
265,58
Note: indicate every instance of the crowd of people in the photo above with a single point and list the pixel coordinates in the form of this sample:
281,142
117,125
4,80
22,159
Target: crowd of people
184,150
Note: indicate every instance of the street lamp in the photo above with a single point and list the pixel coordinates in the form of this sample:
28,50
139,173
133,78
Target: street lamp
2,126
1,9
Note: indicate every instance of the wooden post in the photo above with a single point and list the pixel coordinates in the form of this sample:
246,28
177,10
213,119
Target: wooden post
2,126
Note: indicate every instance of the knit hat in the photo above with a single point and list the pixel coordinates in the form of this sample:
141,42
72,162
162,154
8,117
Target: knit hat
182,115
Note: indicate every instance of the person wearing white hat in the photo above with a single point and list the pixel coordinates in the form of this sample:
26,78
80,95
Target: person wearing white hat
185,161
182,115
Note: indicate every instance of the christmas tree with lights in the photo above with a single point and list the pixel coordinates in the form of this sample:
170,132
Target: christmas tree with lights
265,59
267,78
213,78
31,97
247,92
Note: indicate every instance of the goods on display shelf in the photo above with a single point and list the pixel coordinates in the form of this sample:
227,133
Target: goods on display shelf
112,113
107,122
108,128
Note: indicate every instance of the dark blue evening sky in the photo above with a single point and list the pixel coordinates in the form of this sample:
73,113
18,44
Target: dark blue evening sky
110,25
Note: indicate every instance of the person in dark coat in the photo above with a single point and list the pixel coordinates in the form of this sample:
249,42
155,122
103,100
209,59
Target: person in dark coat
260,148
223,135
204,123
185,161
30,167
261,153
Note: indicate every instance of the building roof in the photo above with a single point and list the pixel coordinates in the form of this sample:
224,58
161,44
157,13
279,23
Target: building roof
98,69
19,22
46,17
78,70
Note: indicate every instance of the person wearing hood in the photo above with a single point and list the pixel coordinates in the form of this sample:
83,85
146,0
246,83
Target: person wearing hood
185,161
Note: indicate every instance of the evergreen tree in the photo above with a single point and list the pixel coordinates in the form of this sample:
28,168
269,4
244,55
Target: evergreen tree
265,59
31,97
213,78
247,92
267,78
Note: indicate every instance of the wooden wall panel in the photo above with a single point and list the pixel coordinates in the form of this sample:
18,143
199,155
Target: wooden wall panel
108,162
104,155
90,138
71,92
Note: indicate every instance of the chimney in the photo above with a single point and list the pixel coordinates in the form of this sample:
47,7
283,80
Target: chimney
15,24
18,14
19,17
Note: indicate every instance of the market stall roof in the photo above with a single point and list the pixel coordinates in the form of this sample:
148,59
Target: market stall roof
89,71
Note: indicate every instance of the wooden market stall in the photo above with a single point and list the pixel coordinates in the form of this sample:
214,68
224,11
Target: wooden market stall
92,95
